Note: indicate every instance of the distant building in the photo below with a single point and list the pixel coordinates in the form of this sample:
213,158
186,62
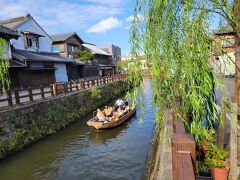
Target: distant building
102,59
67,45
141,58
223,52
115,51
33,50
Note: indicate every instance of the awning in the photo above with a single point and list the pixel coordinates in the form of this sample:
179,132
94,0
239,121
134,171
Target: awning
32,33
40,69
16,64
104,66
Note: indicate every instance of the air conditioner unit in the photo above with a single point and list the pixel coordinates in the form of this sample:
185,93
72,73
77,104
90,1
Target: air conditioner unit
70,56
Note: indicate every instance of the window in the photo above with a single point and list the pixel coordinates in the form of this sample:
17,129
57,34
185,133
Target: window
29,42
32,42
55,49
71,48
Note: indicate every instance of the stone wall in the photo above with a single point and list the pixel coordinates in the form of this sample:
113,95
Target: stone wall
26,124
160,165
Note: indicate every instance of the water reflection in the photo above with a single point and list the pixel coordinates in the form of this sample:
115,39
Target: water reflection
102,136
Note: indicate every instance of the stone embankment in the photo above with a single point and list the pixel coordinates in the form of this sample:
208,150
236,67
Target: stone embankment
25,124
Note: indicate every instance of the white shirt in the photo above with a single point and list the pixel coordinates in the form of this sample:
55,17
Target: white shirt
119,102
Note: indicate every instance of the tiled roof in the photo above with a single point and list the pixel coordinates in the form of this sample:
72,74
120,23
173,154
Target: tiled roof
64,37
95,50
224,30
7,33
22,55
14,22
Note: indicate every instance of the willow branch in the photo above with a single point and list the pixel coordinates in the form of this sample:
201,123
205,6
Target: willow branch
210,10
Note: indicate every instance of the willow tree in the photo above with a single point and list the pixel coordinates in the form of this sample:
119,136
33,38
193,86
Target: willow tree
4,66
175,37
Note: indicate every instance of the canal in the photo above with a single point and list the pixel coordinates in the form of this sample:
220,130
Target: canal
80,152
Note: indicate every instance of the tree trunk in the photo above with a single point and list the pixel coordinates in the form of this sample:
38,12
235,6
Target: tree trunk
233,143
237,50
236,11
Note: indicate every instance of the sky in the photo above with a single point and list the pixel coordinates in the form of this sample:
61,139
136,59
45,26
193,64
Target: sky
100,22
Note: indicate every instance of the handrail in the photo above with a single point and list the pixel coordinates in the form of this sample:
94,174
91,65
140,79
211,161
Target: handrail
183,152
55,89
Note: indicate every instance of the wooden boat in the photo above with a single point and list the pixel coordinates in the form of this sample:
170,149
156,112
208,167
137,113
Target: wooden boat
105,125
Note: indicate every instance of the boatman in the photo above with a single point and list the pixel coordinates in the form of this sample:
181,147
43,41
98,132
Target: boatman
119,104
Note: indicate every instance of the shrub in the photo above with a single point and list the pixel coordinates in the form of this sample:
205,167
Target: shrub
85,56
216,157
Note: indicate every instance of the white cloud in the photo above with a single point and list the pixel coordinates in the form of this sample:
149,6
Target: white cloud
57,16
131,18
105,25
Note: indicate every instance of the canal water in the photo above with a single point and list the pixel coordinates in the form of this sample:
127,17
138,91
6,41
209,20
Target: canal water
80,152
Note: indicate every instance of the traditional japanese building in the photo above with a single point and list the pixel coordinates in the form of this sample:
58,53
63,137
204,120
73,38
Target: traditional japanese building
102,59
223,51
67,45
33,50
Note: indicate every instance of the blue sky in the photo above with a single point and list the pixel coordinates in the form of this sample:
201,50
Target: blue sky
96,21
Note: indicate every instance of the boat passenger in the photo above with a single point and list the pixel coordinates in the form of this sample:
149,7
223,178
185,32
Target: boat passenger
100,116
120,112
115,116
105,111
109,111
127,109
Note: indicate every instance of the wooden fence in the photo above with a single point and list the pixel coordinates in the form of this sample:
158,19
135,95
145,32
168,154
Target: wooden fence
16,97
183,152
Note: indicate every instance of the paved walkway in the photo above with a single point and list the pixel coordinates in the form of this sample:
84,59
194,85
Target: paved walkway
163,157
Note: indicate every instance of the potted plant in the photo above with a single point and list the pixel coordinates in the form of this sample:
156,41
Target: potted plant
216,159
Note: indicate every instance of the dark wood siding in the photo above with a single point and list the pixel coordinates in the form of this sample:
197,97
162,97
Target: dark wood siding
88,71
22,79
73,72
